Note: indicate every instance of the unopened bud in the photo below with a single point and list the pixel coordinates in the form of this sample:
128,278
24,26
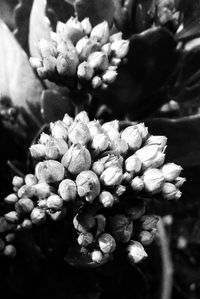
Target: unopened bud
98,167
121,228
94,128
106,199
116,36
97,256
148,155
101,32
47,48
17,181
86,25
27,224
85,47
55,148
24,205
83,222
119,145
67,120
67,63
58,130
133,163
85,239
9,238
73,30
120,48
54,202
149,222
43,138
88,185
107,243
135,212
85,71
161,141
42,203
106,49
179,181
79,133
111,176
119,190
42,190
137,184
109,76
49,171
146,238
67,190
111,131
25,191
100,143
115,61
57,215
98,61
169,191
35,62
153,180
12,217
77,159
30,179
111,124
37,151
38,216
136,252
171,171
82,116
132,137
127,177
11,198
96,82
143,131
10,251
159,160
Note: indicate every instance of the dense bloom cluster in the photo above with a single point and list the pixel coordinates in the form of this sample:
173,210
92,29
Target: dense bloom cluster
78,51
108,171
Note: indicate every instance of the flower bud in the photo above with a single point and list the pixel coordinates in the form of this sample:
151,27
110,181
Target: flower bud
2,245
37,151
149,222
96,82
121,228
111,176
85,239
54,202
98,167
57,215
143,131
135,212
47,48
112,160
17,181
27,224
42,203
112,132
94,128
133,163
83,222
106,49
44,138
67,61
116,36
158,161
88,185
9,238
137,184
38,216
12,217
109,76
169,191
146,238
35,62
120,48
79,133
110,125
67,190
85,71
127,177
25,191
85,47
115,61
136,252
10,251
153,180
97,256
11,198
161,141
132,137
101,32
148,155
42,190
67,120
30,179
106,199
77,159
73,30
82,116
24,205
58,130
56,148
49,171
86,25
107,243
119,190
119,145
6,226
179,181
100,143
98,61
171,171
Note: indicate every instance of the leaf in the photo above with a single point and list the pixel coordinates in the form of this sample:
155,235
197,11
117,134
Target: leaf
39,26
96,10
17,79
183,138
55,105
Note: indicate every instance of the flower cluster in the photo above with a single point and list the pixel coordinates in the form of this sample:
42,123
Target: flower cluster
109,172
78,51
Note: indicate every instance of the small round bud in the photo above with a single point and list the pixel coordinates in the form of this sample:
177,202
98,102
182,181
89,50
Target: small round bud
149,222
112,129
17,181
12,217
127,177
49,171
42,203
10,251
85,239
42,190
58,130
120,48
88,185
54,202
160,141
35,62
119,190
94,128
109,76
83,222
11,198
67,120
133,163
100,143
77,159
85,47
96,82
98,61
30,179
57,215
38,216
9,238
82,116
169,191
132,137
47,48
96,256
153,180
137,184
148,155
106,199
37,151
107,243
27,224
67,190
116,36
111,176
179,181
86,25
85,71
145,237
101,32
136,252
143,131
26,191
44,138
98,167
79,133
171,171
24,205
119,145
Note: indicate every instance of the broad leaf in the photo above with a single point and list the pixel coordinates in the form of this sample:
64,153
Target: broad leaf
183,138
39,26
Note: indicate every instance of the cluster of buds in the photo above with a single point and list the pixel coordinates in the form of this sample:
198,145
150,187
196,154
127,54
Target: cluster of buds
167,12
105,172
78,51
